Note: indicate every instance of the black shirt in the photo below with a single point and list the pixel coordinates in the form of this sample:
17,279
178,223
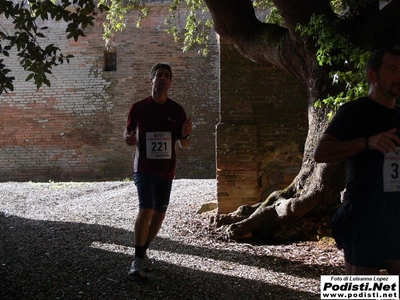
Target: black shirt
359,119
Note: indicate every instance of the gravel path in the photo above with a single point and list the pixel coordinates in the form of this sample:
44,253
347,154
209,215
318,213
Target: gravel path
74,241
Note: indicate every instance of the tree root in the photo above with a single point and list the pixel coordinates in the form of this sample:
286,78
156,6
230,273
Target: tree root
306,193
241,213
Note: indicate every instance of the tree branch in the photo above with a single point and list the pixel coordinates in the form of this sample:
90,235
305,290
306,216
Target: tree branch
236,21
233,17
296,12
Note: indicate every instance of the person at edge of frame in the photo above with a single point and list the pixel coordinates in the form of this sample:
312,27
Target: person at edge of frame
365,133
154,125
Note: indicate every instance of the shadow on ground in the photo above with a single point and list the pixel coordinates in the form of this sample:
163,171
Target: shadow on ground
55,260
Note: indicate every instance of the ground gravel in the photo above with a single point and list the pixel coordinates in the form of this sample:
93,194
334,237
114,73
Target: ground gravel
74,241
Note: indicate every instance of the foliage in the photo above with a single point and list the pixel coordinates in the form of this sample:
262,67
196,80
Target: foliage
116,18
273,15
196,31
346,61
197,28
28,39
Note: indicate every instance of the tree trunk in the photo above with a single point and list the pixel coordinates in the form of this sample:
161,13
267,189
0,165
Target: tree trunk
263,43
316,185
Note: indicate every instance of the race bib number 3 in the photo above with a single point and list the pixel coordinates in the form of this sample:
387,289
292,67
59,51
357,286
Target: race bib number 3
391,172
158,145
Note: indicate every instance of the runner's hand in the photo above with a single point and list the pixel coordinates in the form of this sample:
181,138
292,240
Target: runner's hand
384,141
130,138
187,128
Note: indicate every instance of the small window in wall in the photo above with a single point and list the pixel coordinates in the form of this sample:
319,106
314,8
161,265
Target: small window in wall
110,60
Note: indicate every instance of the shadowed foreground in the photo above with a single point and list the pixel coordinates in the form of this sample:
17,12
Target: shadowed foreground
74,241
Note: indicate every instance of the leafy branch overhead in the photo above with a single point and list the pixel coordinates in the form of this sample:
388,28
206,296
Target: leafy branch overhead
346,61
329,27
116,19
38,58
198,25
28,38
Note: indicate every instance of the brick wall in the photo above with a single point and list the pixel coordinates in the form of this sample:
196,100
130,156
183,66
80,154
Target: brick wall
73,130
261,133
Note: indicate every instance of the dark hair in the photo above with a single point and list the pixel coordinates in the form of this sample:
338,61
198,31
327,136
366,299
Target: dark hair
376,59
160,66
